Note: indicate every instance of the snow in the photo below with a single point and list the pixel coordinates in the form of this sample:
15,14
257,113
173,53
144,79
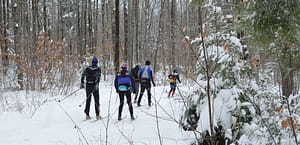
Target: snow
34,118
223,103
69,15
50,125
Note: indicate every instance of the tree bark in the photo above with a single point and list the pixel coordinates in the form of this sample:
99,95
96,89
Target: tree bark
287,74
35,25
16,14
96,36
90,29
84,26
4,48
173,34
116,36
159,42
79,32
126,31
137,17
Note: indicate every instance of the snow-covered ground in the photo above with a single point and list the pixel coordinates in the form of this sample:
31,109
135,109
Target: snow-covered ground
50,125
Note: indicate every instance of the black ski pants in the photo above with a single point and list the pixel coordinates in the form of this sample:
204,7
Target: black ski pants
128,98
92,91
145,85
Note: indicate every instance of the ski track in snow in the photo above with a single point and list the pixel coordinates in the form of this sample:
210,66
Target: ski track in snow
51,126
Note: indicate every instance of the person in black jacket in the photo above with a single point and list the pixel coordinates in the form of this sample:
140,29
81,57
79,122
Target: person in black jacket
173,77
124,84
91,76
134,71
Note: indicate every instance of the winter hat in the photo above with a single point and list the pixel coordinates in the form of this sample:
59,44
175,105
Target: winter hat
147,62
94,60
138,65
124,65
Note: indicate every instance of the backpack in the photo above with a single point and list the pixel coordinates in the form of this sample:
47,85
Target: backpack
145,73
124,82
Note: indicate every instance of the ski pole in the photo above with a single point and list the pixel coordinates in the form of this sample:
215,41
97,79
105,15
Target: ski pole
87,98
76,126
68,95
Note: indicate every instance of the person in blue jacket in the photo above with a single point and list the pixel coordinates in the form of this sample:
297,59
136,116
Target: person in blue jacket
124,84
146,78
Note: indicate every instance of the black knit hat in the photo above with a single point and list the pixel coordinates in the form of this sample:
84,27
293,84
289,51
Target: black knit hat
147,62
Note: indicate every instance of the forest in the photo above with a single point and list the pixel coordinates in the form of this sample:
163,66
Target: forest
243,51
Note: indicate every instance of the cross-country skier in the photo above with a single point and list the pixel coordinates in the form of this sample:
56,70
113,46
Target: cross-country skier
124,85
173,77
146,77
91,76
134,71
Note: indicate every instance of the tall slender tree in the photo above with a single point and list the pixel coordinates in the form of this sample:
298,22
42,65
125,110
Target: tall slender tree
35,25
126,31
159,42
136,21
117,36
89,26
173,33
96,35
4,46
79,30
16,14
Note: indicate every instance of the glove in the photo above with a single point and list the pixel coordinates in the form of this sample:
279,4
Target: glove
97,86
153,84
81,86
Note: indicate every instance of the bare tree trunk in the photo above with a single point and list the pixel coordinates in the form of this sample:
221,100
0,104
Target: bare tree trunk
173,34
167,36
28,34
35,29
2,38
96,36
116,36
131,34
79,32
90,29
159,42
146,30
211,123
84,25
137,15
46,22
103,34
126,31
60,30
287,74
18,50
4,46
